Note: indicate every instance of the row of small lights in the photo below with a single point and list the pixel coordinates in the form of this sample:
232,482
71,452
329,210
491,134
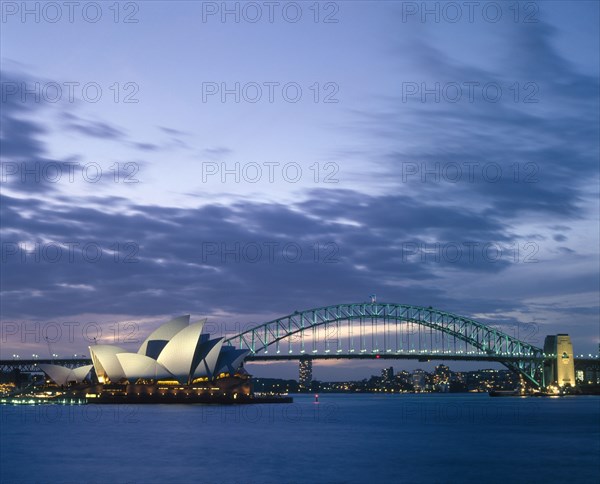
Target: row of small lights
54,355
444,352
388,351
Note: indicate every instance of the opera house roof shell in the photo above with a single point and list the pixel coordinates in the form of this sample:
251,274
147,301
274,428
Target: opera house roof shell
177,350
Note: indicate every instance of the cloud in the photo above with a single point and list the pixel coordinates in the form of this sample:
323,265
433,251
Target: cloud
509,157
168,260
217,152
401,242
173,132
147,146
24,162
95,129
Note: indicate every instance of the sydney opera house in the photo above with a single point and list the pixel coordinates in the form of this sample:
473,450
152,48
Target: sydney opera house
177,361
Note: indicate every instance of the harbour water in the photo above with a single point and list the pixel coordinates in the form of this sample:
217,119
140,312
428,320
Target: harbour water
342,439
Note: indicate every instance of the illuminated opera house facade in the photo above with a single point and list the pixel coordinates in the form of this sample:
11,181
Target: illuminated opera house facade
176,359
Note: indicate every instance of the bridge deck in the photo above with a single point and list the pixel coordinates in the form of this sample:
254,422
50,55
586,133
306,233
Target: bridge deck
30,366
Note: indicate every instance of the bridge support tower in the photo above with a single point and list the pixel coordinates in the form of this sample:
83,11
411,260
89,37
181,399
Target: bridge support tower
559,369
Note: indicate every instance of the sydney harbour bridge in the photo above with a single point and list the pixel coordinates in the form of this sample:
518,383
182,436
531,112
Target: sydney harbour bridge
373,330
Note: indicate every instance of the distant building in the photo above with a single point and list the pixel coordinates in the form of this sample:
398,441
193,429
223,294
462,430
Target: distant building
305,376
387,374
441,378
442,374
419,380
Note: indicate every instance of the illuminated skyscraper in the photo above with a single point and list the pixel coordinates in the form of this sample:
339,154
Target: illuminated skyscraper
387,374
305,378
419,380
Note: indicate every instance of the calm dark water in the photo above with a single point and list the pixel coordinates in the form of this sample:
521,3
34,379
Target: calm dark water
345,438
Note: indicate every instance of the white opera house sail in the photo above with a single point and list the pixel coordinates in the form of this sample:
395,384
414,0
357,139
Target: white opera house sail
177,353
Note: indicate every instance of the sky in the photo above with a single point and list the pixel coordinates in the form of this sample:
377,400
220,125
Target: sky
240,161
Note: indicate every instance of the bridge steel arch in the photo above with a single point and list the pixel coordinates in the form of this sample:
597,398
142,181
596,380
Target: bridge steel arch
496,345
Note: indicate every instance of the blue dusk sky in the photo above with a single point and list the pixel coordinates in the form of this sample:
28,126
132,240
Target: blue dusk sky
243,160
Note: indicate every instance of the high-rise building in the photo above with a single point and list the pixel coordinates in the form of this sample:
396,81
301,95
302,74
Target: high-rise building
387,374
419,380
305,374
441,378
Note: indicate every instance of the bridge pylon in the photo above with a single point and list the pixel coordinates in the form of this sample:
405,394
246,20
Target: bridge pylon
559,367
